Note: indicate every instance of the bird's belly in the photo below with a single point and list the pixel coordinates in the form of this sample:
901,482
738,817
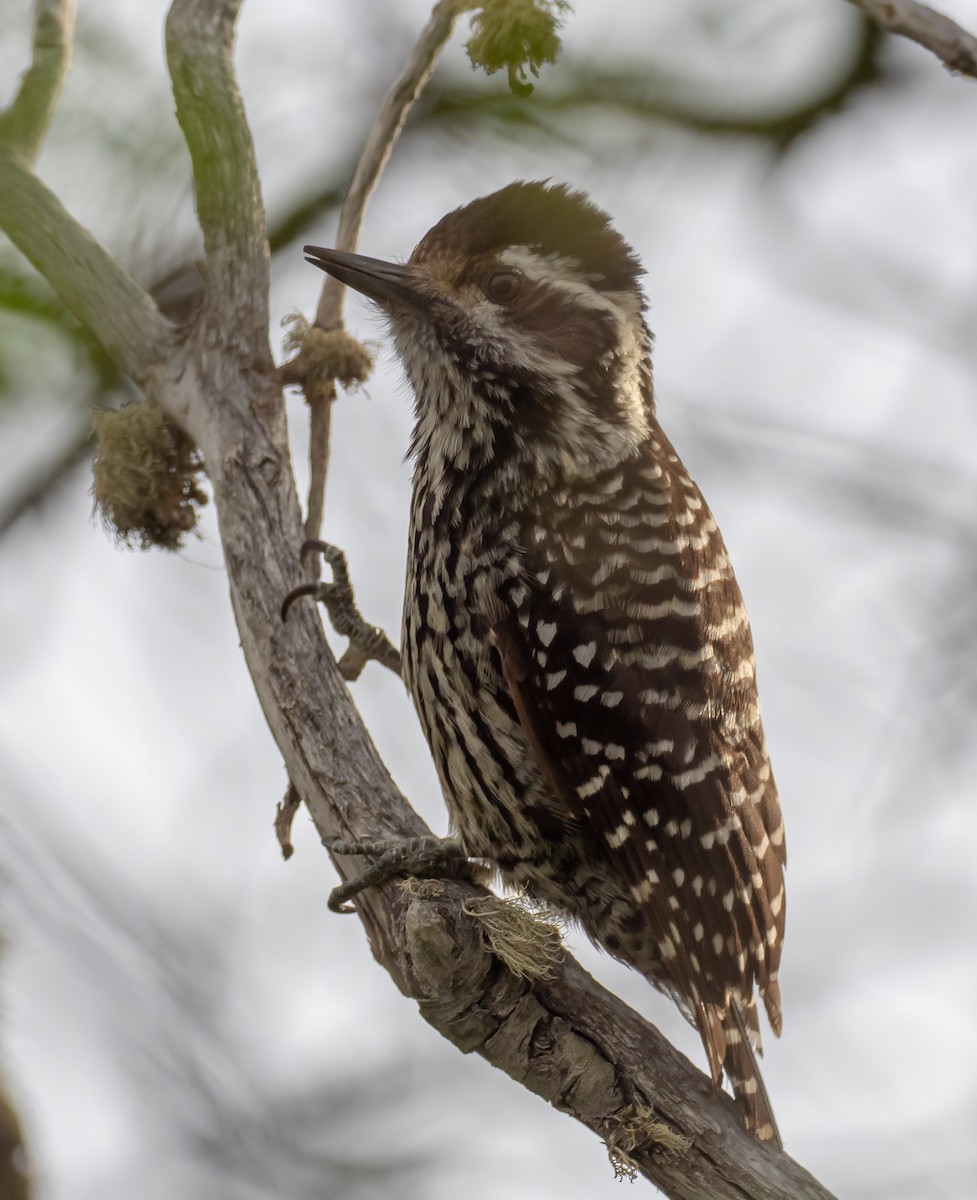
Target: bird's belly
494,790
502,809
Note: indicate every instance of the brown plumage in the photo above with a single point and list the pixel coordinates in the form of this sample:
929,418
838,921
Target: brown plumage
574,637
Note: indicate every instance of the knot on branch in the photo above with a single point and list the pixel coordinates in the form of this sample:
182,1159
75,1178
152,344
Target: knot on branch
322,355
519,35
528,945
148,476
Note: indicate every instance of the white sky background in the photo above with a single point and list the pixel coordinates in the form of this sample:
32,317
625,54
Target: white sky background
171,990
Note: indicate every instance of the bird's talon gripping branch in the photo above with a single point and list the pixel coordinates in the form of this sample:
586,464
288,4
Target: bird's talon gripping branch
424,857
366,641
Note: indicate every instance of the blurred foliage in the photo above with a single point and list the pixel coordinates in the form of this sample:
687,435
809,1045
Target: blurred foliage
143,152
520,35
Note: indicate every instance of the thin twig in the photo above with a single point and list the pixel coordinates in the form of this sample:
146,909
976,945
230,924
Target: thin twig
379,144
950,42
25,123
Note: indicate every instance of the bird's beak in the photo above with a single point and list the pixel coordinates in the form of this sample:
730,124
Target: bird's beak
388,284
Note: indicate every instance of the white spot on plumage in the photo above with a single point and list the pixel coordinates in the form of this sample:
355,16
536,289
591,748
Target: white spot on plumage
637,610
697,774
546,631
584,691
566,729
651,771
594,784
585,654
554,679
618,837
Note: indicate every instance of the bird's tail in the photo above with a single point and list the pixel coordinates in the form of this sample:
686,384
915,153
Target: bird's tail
741,1028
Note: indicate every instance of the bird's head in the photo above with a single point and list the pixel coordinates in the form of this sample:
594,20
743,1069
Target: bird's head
519,321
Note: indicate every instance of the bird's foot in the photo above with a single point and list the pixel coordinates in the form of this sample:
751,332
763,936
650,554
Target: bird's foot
365,641
425,857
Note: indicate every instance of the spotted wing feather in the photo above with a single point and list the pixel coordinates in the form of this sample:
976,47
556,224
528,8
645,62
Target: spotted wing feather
627,654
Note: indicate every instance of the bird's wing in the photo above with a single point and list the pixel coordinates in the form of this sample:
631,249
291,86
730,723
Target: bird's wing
647,740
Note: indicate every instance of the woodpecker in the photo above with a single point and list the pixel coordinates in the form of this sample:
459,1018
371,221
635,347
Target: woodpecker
574,638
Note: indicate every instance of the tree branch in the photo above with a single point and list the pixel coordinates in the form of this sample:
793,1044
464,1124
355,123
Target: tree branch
379,145
199,42
100,292
949,41
25,123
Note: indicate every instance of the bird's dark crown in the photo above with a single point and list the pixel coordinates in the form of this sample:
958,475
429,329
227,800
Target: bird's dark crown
546,218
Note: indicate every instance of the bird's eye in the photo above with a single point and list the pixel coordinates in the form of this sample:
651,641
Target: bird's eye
502,287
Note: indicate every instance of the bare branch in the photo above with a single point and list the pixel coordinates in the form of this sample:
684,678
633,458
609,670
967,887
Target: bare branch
383,135
931,29
25,123
381,140
97,289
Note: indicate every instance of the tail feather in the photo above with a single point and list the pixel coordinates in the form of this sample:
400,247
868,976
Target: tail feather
741,1027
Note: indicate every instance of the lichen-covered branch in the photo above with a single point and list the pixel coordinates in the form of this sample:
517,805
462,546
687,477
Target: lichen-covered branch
24,125
199,46
946,39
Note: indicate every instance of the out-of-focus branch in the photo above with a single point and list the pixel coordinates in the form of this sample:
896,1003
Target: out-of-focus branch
397,104
946,39
24,125
85,276
87,279
199,45
76,448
